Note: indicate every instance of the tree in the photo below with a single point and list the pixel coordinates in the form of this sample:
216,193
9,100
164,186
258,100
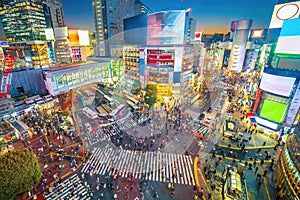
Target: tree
19,170
151,94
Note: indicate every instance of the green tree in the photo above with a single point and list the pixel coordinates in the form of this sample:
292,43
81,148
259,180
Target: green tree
19,170
151,94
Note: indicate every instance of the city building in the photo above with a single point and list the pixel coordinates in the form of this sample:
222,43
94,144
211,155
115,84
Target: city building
109,16
55,10
240,30
79,45
279,86
287,175
62,46
24,22
135,30
140,8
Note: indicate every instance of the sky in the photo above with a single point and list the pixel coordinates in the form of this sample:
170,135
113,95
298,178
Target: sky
211,15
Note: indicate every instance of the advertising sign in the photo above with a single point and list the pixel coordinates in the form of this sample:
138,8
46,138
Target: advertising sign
84,39
49,34
258,33
283,12
198,36
166,27
279,85
73,37
294,107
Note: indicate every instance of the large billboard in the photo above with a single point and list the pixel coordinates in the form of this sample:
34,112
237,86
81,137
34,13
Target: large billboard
84,39
73,37
49,34
283,12
166,27
294,107
279,85
259,33
273,111
289,37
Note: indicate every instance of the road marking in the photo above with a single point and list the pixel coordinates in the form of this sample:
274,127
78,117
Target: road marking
265,182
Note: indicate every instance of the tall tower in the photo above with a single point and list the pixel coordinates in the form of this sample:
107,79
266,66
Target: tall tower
241,31
109,16
55,9
140,8
23,20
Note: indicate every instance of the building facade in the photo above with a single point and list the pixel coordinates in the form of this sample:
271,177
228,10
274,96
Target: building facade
287,170
55,10
108,17
140,8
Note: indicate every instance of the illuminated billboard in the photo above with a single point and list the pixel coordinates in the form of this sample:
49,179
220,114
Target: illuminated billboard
198,36
266,123
49,34
279,85
273,111
283,12
289,36
61,33
84,39
257,33
73,37
166,27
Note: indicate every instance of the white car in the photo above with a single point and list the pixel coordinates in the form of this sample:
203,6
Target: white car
208,120
88,127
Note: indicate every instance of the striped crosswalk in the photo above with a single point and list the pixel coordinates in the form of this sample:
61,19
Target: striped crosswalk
201,129
154,166
104,133
71,188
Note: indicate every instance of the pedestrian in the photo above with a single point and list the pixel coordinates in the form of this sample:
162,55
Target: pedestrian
256,169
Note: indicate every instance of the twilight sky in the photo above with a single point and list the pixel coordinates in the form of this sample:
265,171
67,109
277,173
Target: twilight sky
211,15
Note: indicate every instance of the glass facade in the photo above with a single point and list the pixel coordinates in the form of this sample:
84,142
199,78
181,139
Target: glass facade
23,20
287,172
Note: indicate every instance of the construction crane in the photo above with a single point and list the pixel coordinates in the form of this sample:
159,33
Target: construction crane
7,63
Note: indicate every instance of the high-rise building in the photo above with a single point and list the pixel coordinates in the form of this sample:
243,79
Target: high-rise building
23,20
55,10
240,30
140,8
109,16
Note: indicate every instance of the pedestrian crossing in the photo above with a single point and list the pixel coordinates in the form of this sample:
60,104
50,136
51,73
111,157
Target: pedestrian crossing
201,129
105,133
71,188
153,166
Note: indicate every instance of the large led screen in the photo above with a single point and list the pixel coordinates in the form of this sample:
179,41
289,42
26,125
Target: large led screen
166,27
273,111
279,85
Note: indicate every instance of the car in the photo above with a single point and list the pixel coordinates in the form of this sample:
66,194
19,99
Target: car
201,116
88,127
209,109
208,120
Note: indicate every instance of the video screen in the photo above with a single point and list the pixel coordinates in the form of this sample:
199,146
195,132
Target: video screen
273,111
166,27
279,85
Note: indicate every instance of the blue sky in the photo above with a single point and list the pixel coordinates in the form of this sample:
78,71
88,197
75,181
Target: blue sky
211,15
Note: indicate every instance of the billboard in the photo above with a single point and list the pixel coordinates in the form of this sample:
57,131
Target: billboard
73,37
61,33
84,39
283,12
49,34
294,107
279,85
198,36
266,123
273,111
166,27
289,36
257,33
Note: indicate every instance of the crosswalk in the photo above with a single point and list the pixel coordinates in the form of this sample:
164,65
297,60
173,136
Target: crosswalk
105,133
201,129
154,166
71,188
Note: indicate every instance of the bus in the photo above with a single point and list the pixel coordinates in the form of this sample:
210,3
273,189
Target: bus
108,100
107,108
133,100
89,113
102,112
117,111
